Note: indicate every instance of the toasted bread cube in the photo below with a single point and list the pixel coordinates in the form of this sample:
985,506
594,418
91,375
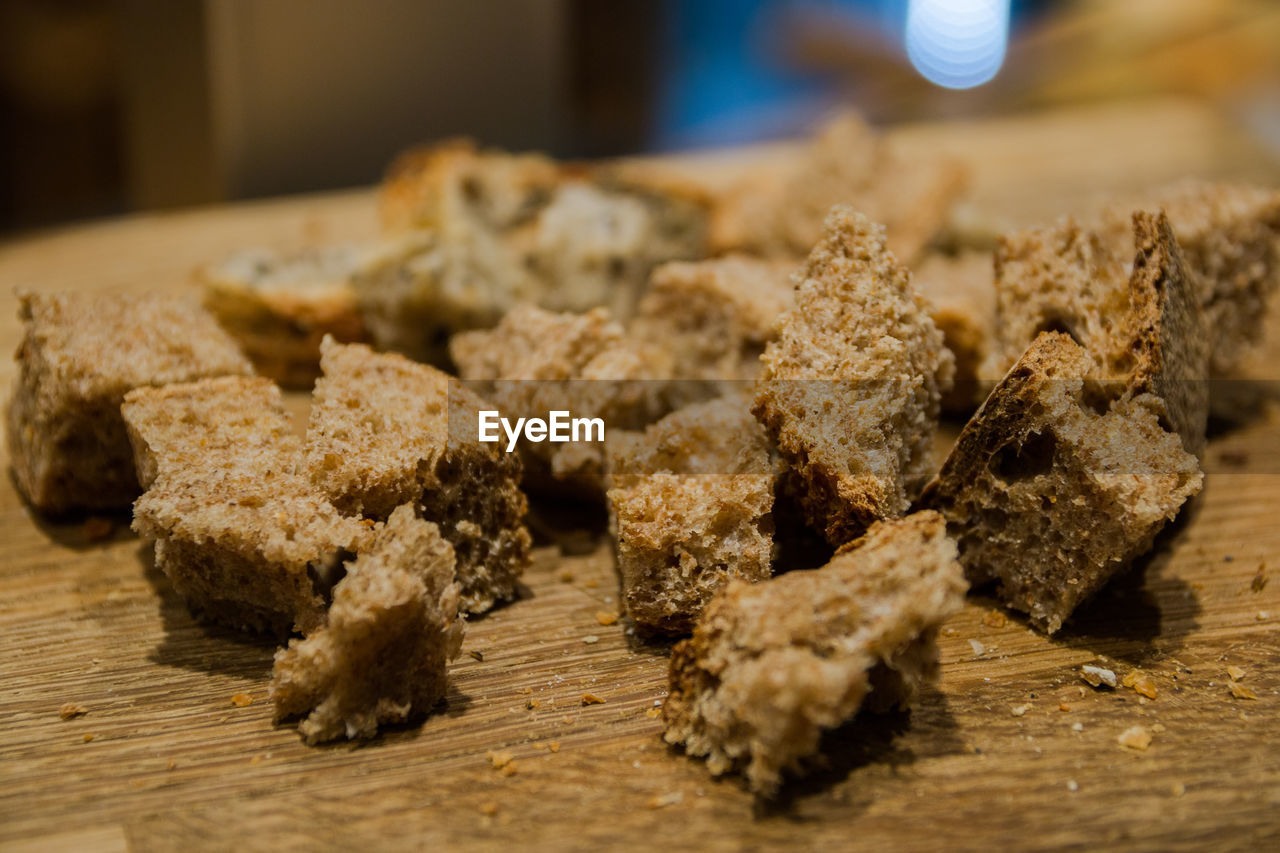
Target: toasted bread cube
851,389
691,507
715,316
279,306
1137,313
240,531
782,214
80,354
385,431
962,294
771,666
381,656
1053,487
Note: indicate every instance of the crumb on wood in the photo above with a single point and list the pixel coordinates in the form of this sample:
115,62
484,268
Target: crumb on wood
1157,728
531,704
524,691
1077,727
1073,785
477,655
1177,789
591,699
509,769
554,746
172,764
661,801
88,738
1239,691
1235,672
71,710
489,808
499,760
978,648
565,576
591,639
1063,706
1260,578
1141,683
994,619
242,700
651,713
1135,737
1096,676
1019,710
607,617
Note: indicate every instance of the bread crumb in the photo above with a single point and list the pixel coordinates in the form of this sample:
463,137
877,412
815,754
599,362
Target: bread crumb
524,691
531,704
1239,691
172,764
1157,728
489,808
88,738
1259,582
592,584
566,576
1135,738
1077,727
1236,673
499,760
1096,676
606,617
476,655
994,619
671,798
71,710
1019,710
1063,706
242,700
591,639
978,648
653,713
1073,785
591,699
509,769
554,746
1140,683
1177,789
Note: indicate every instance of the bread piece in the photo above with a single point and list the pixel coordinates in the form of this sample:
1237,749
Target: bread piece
535,362
850,391
715,316
961,292
691,508
381,656
385,431
1230,235
240,531
279,306
772,665
79,355
1136,313
1053,487
846,163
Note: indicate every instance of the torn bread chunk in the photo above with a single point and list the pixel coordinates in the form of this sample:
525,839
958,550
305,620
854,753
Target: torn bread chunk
279,306
80,354
536,362
847,162
1230,236
850,391
692,509
771,666
1135,312
381,656
961,292
239,530
1054,487
715,316
385,431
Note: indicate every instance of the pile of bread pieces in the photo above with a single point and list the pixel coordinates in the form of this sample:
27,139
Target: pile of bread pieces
771,374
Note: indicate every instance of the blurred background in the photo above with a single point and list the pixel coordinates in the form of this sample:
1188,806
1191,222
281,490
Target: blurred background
111,106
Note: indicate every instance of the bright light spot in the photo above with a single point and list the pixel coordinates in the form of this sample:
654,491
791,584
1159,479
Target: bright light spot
957,44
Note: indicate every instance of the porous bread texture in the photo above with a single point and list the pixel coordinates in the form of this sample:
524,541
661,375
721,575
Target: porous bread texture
691,508
239,530
279,306
381,656
961,293
1137,314
80,354
770,666
715,316
536,361
847,162
850,391
1230,236
498,229
1054,487
386,431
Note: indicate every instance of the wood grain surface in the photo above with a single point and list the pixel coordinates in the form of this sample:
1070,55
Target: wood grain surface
1011,751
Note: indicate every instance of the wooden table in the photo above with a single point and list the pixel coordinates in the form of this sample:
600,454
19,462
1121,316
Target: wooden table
1012,750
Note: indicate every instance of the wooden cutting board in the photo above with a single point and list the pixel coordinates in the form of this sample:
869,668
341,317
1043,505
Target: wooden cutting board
1012,750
